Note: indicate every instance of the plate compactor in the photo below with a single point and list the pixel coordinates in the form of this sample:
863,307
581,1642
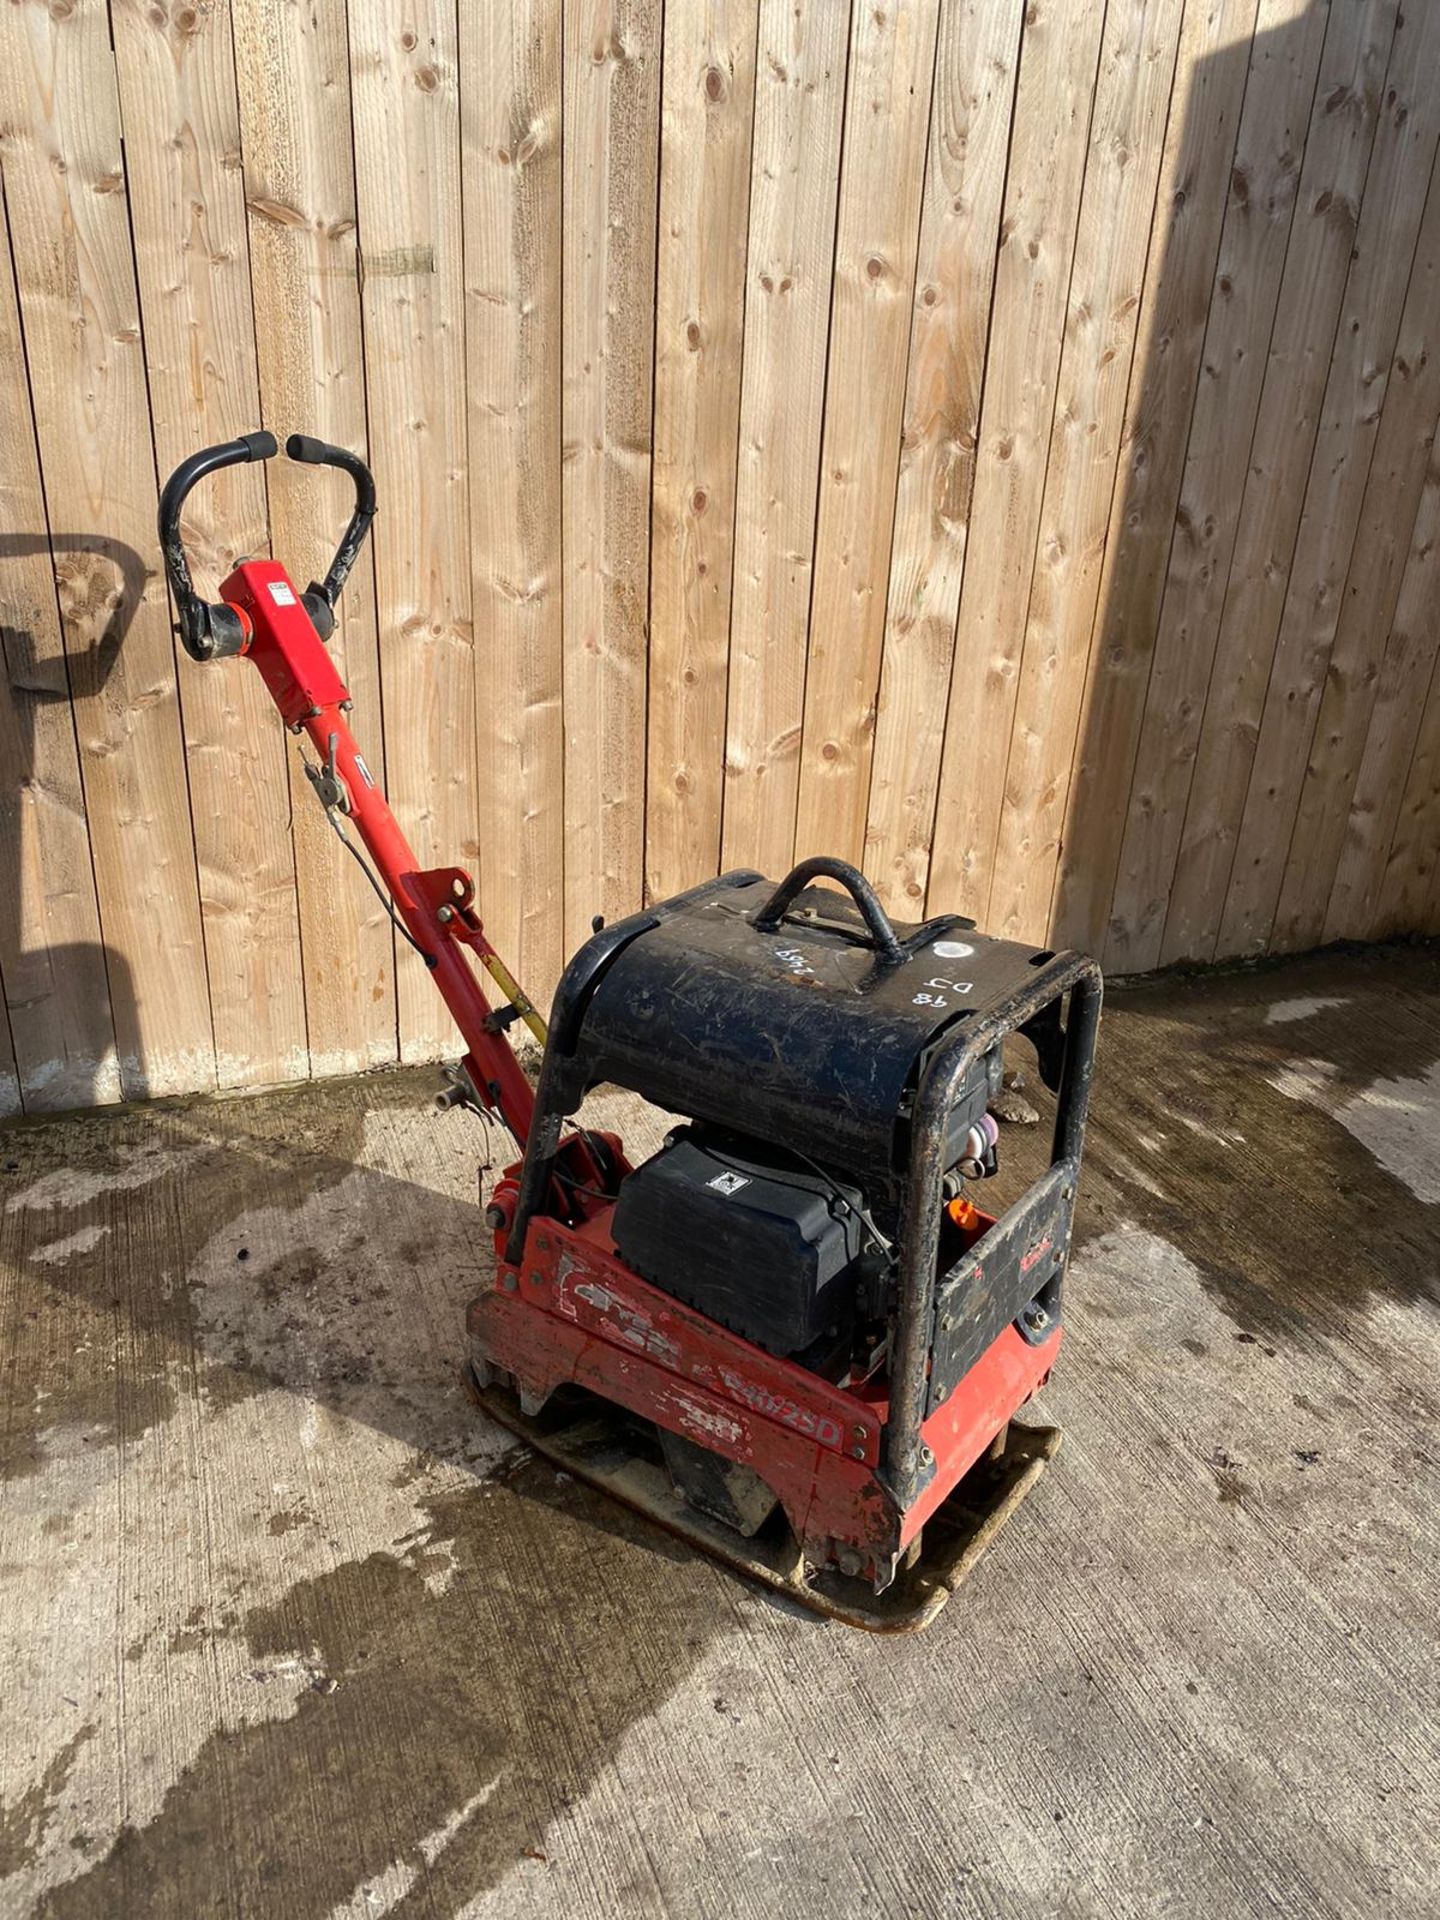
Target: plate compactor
790,1335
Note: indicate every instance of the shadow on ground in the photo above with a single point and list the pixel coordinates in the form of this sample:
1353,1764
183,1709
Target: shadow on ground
462,1684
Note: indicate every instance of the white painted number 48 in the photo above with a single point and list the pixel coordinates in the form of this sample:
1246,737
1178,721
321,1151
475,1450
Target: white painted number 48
936,990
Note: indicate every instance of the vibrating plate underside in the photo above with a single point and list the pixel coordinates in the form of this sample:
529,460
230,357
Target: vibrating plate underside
614,1452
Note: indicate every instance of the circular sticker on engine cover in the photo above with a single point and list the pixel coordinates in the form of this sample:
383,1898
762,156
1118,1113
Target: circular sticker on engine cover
951,950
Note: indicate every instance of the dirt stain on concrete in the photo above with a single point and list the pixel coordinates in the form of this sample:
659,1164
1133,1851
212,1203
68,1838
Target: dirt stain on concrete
1317,1237
24,1821
1232,1489
561,1628
73,1178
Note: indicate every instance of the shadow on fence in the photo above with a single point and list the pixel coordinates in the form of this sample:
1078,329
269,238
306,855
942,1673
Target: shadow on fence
66,999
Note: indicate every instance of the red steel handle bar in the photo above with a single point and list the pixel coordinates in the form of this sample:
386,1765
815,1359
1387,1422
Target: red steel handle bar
435,905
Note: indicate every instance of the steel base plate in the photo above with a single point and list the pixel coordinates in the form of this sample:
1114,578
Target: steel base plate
613,1451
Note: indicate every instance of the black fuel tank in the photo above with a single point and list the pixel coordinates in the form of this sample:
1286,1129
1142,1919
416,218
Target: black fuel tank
786,1014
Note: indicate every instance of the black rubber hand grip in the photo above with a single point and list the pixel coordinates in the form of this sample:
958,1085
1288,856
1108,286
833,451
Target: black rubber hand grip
322,595
314,453
206,632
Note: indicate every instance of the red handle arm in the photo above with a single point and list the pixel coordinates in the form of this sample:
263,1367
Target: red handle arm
435,905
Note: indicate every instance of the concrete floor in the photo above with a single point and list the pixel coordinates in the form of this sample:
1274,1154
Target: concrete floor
288,1630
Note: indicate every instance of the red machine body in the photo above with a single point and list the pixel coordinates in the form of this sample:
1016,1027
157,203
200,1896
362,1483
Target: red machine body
859,1460
572,1312
569,1311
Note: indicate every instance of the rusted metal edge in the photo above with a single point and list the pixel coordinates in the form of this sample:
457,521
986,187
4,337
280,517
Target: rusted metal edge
597,1444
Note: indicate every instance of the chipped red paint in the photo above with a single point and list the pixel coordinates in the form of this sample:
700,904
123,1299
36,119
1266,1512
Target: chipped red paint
584,1281
571,1313
1035,1253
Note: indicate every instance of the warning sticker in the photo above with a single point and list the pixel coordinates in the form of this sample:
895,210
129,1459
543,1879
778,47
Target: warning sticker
728,1183
282,593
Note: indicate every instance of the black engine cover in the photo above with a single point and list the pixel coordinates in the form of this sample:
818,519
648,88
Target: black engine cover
804,1034
737,1232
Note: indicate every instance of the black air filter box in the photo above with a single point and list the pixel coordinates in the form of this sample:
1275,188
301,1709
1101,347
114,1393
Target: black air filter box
733,1229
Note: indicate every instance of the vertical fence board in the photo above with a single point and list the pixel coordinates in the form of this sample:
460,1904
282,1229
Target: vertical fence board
177,84
51,960
10,1100
976,60
10,1103
300,196
1410,895
1280,89
1049,144
794,180
1352,682
510,123
1367,862
65,191
1385,240
1206,99
612,125
1322,234
405,102
1127,135
887,112
707,116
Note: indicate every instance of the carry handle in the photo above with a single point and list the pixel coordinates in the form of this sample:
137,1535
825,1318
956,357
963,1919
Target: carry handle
207,632
320,596
883,937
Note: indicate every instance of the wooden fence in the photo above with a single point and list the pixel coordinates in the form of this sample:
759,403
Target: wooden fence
992,439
